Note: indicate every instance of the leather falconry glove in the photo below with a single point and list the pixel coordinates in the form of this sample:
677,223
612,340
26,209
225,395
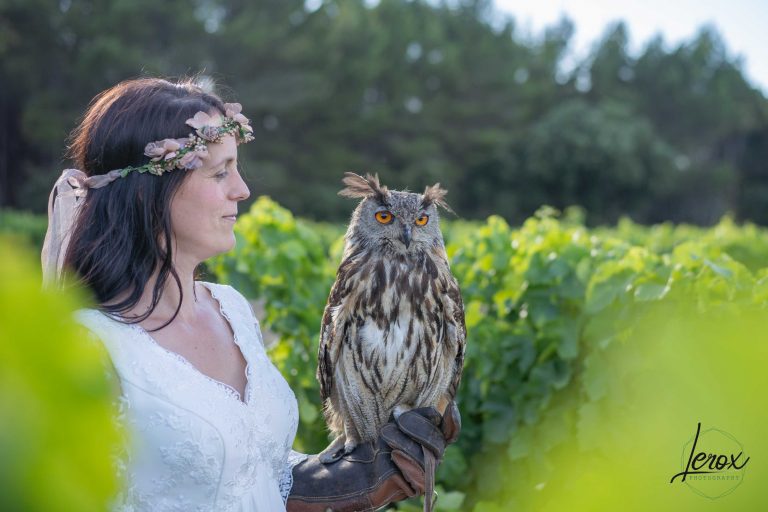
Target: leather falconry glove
377,473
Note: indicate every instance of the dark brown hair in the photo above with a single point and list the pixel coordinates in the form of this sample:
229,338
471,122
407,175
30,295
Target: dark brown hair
122,234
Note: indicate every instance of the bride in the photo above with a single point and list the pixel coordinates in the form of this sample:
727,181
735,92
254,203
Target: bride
211,420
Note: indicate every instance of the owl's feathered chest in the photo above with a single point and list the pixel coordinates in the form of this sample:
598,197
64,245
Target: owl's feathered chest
389,291
392,315
392,335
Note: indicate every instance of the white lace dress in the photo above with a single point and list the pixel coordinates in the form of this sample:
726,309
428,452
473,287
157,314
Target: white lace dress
194,444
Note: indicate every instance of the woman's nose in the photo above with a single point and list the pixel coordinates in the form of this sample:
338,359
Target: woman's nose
240,190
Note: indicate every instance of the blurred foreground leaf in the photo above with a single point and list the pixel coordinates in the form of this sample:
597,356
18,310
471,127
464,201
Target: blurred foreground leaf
57,432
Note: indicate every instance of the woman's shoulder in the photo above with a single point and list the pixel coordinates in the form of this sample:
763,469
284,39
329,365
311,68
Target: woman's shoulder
225,292
93,319
218,287
116,337
109,330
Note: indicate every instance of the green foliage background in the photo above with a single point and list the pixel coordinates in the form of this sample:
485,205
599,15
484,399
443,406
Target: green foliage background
544,302
28,227
583,344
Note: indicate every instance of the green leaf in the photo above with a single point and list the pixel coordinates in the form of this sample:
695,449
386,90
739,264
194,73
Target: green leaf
722,271
473,313
568,348
595,377
650,291
450,500
58,436
520,444
601,294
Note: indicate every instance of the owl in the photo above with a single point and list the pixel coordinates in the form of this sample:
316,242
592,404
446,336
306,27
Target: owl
393,334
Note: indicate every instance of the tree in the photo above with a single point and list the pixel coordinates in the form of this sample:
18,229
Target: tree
605,158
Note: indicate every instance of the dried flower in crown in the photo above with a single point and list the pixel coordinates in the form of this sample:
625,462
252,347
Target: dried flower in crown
190,153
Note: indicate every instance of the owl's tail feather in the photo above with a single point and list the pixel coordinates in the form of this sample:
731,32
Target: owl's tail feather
429,479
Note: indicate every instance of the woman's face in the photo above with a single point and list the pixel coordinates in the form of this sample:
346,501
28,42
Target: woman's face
204,209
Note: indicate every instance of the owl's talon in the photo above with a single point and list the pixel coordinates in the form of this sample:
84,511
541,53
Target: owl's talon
400,409
334,451
349,447
330,458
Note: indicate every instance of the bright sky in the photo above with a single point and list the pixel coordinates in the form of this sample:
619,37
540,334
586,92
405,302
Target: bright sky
739,22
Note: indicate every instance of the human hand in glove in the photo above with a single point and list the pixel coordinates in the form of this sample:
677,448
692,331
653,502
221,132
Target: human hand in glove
374,474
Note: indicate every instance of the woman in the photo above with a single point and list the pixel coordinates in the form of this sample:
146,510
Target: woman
212,420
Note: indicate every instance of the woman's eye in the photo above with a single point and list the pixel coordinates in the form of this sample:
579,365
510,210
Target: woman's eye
384,217
221,175
422,221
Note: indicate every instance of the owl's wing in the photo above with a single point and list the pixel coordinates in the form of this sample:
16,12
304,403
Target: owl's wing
330,338
455,318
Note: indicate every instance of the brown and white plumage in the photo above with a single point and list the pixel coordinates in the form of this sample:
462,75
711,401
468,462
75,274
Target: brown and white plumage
393,332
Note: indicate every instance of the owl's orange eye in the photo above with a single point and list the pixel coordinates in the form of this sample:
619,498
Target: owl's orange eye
384,217
422,221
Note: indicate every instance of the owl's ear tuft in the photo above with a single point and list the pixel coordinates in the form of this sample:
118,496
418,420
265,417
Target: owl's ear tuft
435,195
359,187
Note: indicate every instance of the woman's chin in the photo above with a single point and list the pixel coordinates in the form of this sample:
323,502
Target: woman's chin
230,245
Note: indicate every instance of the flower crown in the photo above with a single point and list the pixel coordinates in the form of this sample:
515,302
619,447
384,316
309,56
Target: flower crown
189,153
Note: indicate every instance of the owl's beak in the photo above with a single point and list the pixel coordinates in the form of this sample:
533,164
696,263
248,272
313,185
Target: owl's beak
406,238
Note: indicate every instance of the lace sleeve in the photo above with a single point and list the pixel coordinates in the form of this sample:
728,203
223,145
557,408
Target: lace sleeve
286,478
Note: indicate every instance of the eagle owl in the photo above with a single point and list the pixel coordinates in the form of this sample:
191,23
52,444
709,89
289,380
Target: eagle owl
393,332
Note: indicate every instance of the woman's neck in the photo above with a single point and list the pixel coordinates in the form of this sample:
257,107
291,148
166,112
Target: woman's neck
170,296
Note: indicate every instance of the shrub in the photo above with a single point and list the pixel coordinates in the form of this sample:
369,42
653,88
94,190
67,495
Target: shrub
542,301
57,434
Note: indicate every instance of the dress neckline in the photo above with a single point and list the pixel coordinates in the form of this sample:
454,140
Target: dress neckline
226,388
